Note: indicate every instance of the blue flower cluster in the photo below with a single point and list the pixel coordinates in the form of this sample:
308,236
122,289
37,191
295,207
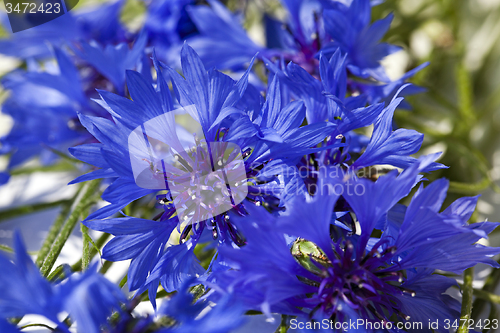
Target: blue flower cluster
89,299
320,231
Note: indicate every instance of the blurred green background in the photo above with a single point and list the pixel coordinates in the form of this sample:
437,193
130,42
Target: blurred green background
460,113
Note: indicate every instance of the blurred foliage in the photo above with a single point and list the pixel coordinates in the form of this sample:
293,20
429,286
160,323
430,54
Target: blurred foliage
459,113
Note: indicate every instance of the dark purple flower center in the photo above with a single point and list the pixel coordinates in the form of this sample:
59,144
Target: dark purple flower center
367,285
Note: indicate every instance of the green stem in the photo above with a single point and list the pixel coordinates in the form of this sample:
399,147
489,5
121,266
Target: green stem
64,156
484,295
63,166
469,188
56,272
93,251
6,248
53,232
78,265
11,250
283,327
465,103
81,203
106,266
23,210
467,292
86,246
86,239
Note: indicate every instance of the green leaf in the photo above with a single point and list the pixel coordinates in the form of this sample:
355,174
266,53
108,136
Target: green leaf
53,232
123,281
11,250
29,209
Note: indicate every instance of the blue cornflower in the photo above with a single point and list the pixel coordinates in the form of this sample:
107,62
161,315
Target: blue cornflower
336,267
89,298
302,35
224,43
264,131
312,29
325,100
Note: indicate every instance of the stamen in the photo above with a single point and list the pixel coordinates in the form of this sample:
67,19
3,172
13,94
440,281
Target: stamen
185,233
408,291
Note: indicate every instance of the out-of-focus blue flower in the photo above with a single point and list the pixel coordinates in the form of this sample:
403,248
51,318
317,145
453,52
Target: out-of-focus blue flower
222,42
100,23
55,96
24,290
349,27
4,178
302,35
167,26
310,27
6,327
335,268
50,98
112,61
89,298
225,316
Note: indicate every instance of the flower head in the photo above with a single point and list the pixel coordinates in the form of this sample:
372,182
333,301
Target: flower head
364,255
